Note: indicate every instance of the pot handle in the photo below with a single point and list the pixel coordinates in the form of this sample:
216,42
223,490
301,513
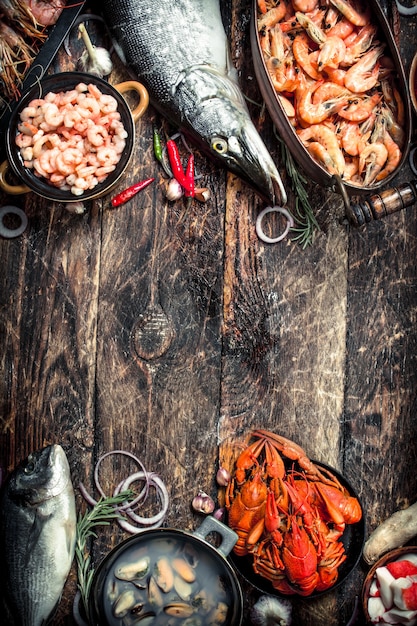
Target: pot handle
13,190
229,537
133,85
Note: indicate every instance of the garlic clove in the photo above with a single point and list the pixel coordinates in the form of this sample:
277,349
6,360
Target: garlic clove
203,503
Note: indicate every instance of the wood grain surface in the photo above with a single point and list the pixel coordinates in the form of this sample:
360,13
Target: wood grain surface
172,331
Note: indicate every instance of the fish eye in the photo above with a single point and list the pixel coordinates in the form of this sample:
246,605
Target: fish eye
219,145
29,468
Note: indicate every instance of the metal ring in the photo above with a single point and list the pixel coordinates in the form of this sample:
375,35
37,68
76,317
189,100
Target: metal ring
10,233
274,209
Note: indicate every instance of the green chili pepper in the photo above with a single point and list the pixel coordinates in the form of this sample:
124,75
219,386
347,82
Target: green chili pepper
157,146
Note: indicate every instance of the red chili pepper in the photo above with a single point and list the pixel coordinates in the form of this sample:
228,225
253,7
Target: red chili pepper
176,165
128,193
189,177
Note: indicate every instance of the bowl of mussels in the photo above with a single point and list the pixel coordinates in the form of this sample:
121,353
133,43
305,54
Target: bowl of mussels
165,576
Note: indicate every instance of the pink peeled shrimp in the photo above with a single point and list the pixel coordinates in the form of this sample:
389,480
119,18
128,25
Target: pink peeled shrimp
72,139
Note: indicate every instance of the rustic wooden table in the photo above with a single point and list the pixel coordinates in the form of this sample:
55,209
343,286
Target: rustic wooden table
169,331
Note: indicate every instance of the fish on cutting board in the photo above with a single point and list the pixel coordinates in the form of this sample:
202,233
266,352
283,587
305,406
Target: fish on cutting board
37,537
179,50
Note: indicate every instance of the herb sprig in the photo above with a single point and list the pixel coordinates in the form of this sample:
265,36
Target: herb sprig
305,218
102,514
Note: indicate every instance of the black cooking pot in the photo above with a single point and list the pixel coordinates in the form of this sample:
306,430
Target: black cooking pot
66,81
165,573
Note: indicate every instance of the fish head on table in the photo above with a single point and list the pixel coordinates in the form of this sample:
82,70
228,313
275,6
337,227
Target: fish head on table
219,122
179,50
37,537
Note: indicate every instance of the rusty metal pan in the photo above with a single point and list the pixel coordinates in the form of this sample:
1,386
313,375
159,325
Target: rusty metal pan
312,169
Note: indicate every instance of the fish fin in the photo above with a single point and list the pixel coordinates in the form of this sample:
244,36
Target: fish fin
35,531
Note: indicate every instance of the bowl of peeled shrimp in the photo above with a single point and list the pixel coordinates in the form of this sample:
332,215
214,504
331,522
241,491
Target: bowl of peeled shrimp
71,137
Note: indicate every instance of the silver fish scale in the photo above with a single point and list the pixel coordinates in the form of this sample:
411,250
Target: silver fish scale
187,31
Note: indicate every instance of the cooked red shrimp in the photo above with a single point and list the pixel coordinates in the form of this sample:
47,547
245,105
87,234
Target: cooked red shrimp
343,28
332,52
322,155
327,90
89,107
316,113
359,44
354,16
94,90
321,134
305,5
301,53
273,16
393,159
372,159
360,108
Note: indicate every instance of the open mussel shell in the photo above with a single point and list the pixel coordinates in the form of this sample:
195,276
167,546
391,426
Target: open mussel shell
163,574
353,540
311,168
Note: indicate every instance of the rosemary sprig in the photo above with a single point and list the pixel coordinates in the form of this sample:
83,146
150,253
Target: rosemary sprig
305,218
102,514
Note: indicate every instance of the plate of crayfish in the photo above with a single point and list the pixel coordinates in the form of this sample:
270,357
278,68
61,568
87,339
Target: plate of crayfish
333,82
300,523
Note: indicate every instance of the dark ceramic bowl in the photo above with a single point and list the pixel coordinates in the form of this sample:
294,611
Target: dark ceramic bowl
66,81
311,168
353,540
389,557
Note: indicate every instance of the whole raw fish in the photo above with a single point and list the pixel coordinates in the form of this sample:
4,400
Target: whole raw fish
179,50
37,537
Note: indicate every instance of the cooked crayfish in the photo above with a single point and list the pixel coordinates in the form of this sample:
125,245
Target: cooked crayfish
289,514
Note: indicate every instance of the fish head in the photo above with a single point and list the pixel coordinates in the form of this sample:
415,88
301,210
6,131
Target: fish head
43,475
219,120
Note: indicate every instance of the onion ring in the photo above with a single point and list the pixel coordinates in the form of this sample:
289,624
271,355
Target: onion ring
156,520
275,209
127,510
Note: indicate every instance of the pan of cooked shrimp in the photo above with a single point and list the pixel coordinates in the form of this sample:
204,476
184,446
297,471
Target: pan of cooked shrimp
71,137
334,84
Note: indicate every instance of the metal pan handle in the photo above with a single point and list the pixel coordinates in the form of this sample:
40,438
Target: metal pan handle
211,524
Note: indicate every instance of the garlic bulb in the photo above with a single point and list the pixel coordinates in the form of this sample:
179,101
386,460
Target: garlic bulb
271,611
